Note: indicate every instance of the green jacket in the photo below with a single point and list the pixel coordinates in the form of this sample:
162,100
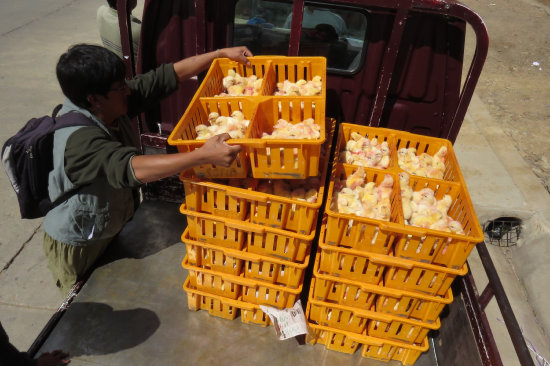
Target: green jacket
97,160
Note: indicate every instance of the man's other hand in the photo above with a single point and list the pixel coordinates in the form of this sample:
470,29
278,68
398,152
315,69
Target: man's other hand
239,54
218,152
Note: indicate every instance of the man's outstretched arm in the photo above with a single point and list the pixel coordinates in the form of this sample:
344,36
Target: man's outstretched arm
150,168
191,66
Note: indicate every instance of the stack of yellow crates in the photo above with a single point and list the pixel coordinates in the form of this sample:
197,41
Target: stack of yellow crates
247,247
381,285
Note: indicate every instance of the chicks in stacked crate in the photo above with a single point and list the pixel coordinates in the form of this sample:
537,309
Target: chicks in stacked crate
283,129
424,164
361,151
236,85
355,196
299,189
301,87
422,209
235,126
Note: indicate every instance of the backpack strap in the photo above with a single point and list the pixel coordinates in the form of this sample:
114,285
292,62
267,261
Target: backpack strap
68,120
56,110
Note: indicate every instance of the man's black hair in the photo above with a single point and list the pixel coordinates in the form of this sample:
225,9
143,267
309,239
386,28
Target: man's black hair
112,3
88,69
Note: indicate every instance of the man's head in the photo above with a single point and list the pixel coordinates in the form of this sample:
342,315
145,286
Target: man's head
90,76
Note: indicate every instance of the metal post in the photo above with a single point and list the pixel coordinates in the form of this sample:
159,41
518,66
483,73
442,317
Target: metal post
507,313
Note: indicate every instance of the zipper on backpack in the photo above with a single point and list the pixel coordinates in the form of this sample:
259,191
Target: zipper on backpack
32,177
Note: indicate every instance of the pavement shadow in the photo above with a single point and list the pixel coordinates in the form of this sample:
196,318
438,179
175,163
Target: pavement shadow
156,225
90,328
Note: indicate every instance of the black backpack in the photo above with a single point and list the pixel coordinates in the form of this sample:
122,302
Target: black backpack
27,158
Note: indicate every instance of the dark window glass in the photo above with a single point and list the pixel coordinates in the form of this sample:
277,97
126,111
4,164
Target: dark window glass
337,33
259,25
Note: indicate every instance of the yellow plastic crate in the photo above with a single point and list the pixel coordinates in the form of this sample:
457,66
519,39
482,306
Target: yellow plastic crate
278,243
439,247
397,272
215,229
211,256
361,233
285,158
229,198
230,286
286,213
352,265
399,329
276,158
376,324
184,134
269,210
213,282
265,209
409,242
254,266
375,348
431,145
212,84
402,303
223,307
262,240
381,134
293,69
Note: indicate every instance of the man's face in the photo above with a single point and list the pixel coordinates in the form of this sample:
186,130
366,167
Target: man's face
115,102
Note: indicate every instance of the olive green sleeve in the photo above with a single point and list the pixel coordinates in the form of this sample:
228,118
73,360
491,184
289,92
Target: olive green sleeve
90,153
150,88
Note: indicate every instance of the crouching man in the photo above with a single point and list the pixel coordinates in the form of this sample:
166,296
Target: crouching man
99,168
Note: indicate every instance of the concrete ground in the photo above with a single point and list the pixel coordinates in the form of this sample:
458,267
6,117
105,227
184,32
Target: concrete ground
34,34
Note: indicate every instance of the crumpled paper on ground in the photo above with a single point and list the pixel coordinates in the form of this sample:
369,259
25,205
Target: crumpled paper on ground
288,322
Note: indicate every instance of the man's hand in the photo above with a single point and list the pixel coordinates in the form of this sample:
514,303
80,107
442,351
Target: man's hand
193,65
216,151
238,54
54,358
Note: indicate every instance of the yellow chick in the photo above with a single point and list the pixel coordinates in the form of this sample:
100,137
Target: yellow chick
443,204
407,209
385,187
383,211
238,115
202,132
425,221
368,196
406,189
440,155
235,90
384,162
435,173
258,86
440,225
212,117
356,179
455,226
